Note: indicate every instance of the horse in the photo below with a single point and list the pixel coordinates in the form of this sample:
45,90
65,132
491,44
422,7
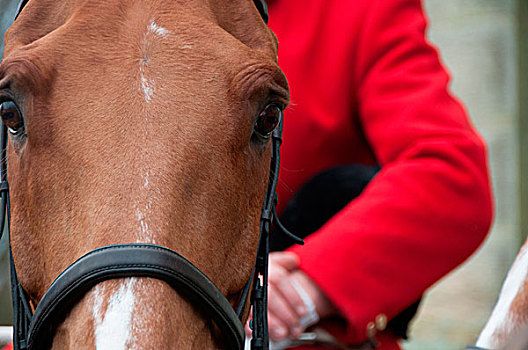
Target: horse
507,326
138,129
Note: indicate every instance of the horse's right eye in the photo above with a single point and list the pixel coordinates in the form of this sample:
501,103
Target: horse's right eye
12,117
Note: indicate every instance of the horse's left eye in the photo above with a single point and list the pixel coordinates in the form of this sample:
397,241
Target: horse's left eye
12,117
267,121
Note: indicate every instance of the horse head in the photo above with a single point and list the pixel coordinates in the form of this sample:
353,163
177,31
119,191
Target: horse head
142,122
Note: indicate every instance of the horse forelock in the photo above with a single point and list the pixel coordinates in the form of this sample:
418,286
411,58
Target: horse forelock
145,116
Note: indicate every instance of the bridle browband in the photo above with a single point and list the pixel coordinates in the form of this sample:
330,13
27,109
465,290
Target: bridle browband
32,330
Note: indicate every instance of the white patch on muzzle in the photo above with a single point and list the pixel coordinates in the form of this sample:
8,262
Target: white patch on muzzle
112,329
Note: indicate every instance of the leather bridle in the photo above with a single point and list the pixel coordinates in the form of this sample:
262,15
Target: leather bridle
33,330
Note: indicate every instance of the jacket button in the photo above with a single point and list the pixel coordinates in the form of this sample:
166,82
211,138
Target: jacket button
381,322
371,330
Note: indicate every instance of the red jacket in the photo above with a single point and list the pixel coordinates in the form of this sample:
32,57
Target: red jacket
367,87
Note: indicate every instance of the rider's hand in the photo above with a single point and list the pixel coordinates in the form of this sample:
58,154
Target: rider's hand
285,306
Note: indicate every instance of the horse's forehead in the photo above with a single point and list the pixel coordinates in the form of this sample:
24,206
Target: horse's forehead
77,40
98,21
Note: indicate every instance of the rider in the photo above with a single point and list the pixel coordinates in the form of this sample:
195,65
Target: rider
368,88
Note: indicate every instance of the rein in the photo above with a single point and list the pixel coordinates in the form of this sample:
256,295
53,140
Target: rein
32,330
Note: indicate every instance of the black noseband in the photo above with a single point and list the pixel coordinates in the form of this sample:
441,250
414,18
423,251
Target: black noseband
132,260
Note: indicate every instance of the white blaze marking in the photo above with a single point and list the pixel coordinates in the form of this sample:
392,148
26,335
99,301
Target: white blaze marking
113,329
144,234
146,179
148,85
156,29
501,318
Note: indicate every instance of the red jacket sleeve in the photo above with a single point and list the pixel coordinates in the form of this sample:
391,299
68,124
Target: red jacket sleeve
430,205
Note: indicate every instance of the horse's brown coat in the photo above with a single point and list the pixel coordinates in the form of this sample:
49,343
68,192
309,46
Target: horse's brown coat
101,160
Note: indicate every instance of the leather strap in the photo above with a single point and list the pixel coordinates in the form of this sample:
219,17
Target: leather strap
132,260
259,297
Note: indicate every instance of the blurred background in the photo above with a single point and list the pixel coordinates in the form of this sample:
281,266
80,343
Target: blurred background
483,43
